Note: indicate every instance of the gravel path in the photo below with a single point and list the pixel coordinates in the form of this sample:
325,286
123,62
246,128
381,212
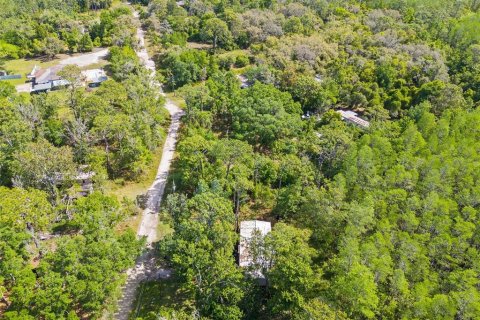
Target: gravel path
145,267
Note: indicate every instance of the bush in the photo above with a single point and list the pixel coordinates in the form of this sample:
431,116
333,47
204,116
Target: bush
226,63
241,61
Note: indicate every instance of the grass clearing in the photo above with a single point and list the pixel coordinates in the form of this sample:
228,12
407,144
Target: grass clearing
131,189
102,63
153,295
116,3
234,53
24,66
198,45
176,98
132,222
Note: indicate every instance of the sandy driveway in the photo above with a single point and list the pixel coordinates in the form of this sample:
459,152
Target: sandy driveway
145,266
85,59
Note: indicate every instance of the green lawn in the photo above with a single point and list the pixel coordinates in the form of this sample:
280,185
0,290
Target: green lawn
132,223
99,65
24,66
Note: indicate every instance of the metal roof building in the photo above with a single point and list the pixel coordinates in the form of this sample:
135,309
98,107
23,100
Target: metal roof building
94,77
247,229
352,117
60,83
41,87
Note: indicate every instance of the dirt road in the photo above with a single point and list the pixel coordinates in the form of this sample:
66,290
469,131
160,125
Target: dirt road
145,266
85,59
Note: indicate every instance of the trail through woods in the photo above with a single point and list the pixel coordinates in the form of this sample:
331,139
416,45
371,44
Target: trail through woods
145,267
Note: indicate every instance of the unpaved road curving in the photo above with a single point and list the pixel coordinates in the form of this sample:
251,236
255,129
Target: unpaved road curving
145,265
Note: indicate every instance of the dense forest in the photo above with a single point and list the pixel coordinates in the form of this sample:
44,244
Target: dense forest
377,222
29,28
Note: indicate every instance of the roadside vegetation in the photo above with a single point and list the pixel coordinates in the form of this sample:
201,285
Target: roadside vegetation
64,250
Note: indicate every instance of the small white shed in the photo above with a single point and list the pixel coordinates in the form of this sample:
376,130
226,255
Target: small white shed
247,229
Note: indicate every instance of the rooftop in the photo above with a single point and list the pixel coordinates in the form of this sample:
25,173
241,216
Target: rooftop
42,86
247,229
60,83
34,71
49,74
352,117
94,75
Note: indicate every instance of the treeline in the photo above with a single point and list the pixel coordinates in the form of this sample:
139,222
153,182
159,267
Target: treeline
378,57
46,29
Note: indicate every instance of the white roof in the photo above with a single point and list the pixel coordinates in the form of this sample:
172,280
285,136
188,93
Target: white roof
347,113
353,118
318,78
247,229
42,86
93,74
60,82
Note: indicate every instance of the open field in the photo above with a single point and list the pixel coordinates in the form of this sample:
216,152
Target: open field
198,45
234,53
